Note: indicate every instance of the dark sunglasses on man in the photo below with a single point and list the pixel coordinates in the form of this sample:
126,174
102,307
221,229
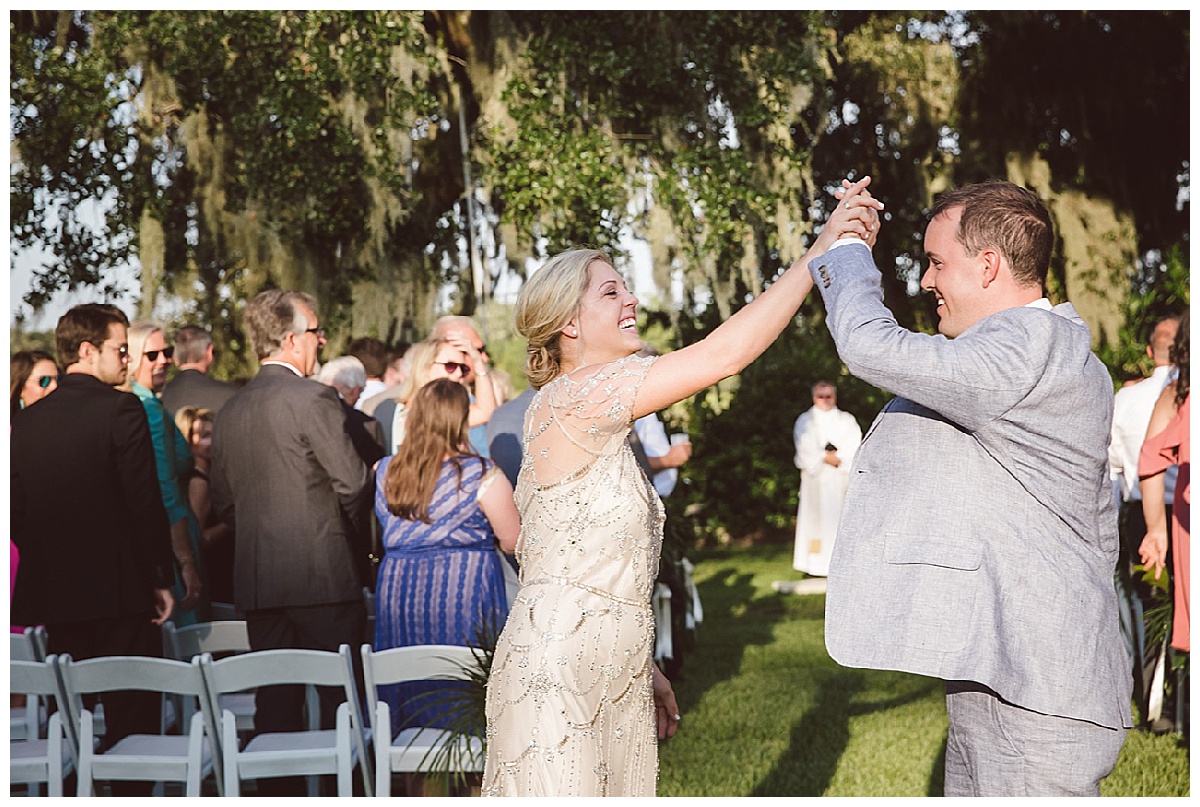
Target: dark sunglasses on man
152,355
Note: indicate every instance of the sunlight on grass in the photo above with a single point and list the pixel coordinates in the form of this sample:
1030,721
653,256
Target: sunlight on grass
768,713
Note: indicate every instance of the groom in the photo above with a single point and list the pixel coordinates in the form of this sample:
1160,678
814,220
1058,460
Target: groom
979,534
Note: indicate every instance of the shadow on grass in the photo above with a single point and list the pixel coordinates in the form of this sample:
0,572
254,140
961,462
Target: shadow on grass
733,620
822,735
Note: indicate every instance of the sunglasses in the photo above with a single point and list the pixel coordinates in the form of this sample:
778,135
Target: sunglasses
44,381
152,355
451,366
320,332
122,350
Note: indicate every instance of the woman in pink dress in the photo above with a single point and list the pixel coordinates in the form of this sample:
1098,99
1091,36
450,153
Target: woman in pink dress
1168,442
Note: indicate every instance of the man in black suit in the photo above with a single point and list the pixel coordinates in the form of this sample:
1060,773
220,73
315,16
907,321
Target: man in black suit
192,386
287,479
87,517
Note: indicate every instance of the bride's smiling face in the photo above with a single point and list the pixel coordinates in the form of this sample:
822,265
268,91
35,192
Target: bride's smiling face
606,325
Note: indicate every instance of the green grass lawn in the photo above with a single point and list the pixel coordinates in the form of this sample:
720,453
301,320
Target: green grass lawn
766,712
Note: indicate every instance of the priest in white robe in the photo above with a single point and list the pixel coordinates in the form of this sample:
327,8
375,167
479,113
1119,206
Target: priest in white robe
826,439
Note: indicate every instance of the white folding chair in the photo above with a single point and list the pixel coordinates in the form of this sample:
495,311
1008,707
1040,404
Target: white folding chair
418,748
224,612
296,753
31,759
369,603
184,758
660,602
220,639
27,721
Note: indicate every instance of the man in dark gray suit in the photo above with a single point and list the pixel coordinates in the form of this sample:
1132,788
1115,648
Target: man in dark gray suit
979,535
192,386
286,477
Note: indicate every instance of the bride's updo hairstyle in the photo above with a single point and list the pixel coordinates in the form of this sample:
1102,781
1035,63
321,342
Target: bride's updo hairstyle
547,302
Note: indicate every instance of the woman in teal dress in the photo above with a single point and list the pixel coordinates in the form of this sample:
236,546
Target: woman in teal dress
149,357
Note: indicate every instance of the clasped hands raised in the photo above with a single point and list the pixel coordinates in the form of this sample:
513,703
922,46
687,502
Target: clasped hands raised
856,216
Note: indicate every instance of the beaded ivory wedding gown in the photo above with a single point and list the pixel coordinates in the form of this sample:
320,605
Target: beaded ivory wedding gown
569,705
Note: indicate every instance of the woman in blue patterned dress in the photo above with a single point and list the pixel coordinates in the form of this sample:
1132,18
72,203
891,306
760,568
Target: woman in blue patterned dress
443,509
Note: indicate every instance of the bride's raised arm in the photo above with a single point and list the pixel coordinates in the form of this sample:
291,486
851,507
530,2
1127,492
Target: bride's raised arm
744,336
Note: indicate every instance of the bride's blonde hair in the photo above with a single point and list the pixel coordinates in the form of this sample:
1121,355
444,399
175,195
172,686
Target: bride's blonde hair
547,302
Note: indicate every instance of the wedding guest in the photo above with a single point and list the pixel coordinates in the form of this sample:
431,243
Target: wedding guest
32,375
192,384
1168,442
481,379
373,354
433,359
149,358
286,478
96,573
1132,407
216,537
444,510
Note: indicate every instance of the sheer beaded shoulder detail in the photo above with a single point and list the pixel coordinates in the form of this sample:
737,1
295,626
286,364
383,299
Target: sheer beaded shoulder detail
574,419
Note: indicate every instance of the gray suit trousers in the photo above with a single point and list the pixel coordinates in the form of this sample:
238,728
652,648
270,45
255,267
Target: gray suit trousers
997,749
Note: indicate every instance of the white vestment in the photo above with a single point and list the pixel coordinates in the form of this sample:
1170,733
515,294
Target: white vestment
822,486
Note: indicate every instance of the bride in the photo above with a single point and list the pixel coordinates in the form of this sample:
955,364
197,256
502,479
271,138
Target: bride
575,704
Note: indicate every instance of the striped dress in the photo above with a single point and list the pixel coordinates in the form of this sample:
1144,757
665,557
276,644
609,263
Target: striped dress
439,583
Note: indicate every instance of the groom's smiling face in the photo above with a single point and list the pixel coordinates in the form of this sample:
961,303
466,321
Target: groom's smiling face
956,278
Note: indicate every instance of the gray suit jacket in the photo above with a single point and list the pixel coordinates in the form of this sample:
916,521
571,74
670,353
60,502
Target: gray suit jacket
194,388
286,477
979,534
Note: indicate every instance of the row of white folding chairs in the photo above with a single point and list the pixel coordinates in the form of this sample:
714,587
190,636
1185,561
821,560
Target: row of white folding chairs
27,720
211,744
38,757
412,750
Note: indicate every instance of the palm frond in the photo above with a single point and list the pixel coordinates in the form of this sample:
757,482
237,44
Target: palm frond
460,712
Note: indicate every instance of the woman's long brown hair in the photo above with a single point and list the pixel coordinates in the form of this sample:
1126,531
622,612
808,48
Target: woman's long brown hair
436,426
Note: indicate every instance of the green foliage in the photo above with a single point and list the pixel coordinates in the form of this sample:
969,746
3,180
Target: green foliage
1159,287
277,81
32,340
322,149
562,177
74,148
219,125
742,478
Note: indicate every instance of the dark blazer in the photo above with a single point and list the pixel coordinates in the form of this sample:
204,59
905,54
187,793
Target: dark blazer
194,388
366,434
506,434
286,477
87,515
385,416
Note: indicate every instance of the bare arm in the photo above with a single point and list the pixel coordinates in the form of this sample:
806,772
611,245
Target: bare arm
496,501
1153,549
744,336
485,391
189,571
676,456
